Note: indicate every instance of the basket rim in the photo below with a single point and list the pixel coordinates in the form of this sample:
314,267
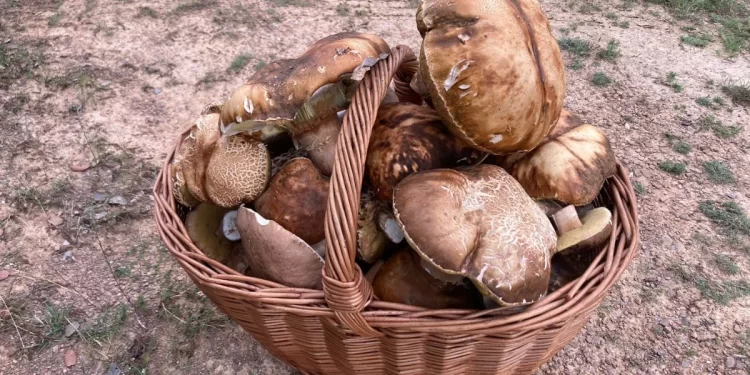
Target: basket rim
555,309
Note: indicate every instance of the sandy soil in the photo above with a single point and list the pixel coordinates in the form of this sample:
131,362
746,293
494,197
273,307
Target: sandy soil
93,93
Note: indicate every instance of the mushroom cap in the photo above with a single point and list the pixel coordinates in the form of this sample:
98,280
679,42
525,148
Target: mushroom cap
408,138
493,70
179,186
273,253
225,171
596,229
238,171
570,168
296,199
478,222
203,225
401,279
279,89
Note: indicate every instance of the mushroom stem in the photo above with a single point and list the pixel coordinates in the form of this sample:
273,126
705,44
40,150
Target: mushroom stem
320,143
388,225
566,220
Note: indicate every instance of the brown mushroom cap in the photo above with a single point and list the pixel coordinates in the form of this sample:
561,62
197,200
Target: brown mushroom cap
493,70
570,168
204,228
273,253
225,171
296,199
401,279
478,222
593,234
408,138
279,89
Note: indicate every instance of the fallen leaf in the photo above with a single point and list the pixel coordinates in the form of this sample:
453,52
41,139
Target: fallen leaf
80,166
55,220
70,358
4,274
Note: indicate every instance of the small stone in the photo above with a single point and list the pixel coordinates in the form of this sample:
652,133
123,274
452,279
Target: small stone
55,220
70,358
71,328
80,166
686,363
114,370
737,328
65,244
118,200
730,362
157,90
55,348
732,195
99,197
68,255
100,216
4,315
4,274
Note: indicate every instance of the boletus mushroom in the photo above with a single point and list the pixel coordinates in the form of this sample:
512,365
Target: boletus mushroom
570,166
377,229
590,232
273,253
493,70
302,96
401,279
225,171
296,199
204,226
477,222
408,138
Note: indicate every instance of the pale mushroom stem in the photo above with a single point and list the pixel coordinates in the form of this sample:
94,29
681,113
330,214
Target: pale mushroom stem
566,220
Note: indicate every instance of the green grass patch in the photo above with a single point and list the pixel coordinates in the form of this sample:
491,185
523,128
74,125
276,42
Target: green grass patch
728,216
721,292
639,188
107,324
343,9
697,40
239,63
589,8
727,265
601,80
672,82
739,92
672,167
718,172
611,53
677,144
147,12
576,46
195,6
735,33
709,122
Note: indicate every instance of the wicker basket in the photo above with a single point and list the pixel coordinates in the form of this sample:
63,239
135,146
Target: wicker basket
344,330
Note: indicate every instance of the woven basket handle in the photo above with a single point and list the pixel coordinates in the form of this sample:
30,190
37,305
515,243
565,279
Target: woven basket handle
346,290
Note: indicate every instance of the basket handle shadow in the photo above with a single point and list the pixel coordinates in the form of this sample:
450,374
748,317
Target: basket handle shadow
345,289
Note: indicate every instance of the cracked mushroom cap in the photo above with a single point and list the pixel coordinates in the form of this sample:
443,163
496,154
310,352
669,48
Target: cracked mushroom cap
225,171
278,90
479,223
493,70
408,138
401,279
570,168
296,199
273,253
203,225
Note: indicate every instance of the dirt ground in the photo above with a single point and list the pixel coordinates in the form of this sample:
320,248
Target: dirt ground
93,93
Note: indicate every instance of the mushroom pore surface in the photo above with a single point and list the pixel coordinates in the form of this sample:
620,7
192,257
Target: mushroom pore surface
478,222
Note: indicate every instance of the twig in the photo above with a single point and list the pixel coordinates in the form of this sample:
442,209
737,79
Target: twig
37,278
170,313
23,346
106,259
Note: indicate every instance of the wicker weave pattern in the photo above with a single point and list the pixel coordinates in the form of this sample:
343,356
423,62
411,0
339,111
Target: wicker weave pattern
342,330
